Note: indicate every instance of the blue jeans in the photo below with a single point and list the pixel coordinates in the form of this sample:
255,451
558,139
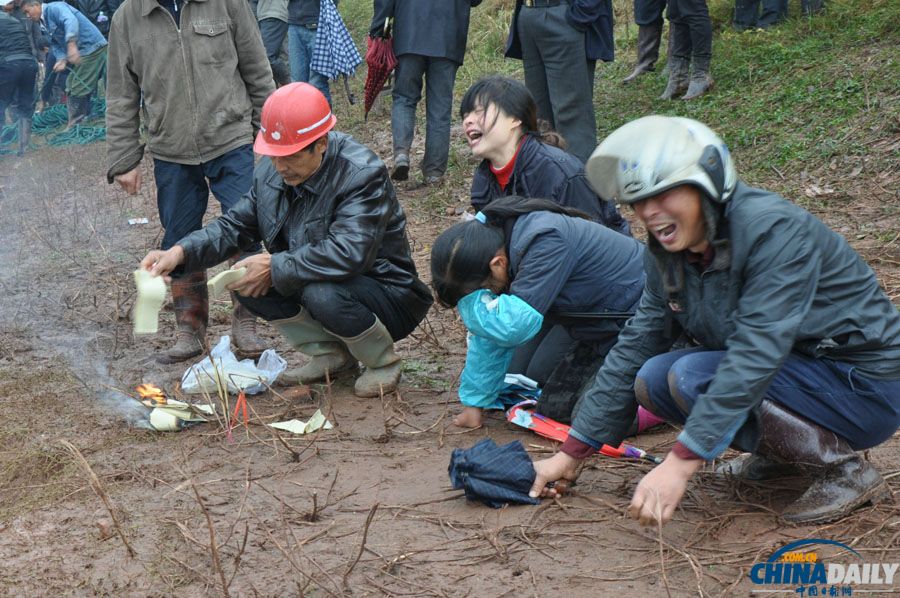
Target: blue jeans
691,30
182,190
559,75
649,12
439,75
273,32
864,411
746,13
301,41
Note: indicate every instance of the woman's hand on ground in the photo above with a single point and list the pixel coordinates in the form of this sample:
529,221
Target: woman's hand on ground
559,468
258,279
659,493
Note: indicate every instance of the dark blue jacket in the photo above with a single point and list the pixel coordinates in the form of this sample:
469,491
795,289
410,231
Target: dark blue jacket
14,42
547,172
594,17
435,28
563,266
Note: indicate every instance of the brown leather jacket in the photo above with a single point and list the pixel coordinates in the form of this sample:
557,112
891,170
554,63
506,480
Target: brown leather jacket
200,86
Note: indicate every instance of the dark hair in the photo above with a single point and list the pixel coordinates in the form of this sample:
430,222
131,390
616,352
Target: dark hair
514,99
461,255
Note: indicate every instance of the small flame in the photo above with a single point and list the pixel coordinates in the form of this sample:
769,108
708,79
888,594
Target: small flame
151,396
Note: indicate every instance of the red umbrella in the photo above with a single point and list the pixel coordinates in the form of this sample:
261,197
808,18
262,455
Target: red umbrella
381,61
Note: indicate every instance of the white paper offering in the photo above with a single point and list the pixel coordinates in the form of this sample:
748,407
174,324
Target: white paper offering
298,426
221,280
151,293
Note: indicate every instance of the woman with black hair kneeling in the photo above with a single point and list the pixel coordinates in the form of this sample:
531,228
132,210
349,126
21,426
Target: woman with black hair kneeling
522,261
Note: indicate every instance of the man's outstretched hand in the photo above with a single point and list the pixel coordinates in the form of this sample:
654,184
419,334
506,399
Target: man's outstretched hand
160,263
559,468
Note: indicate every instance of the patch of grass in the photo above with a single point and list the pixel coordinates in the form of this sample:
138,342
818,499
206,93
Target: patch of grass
426,374
33,474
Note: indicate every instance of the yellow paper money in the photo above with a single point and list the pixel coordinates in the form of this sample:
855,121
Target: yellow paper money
221,280
151,293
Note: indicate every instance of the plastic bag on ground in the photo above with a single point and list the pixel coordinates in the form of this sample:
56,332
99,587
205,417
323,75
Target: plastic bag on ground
224,369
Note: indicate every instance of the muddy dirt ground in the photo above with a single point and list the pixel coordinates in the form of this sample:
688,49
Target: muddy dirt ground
365,508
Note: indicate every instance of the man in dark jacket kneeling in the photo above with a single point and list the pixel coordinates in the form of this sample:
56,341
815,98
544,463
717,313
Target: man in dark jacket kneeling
337,280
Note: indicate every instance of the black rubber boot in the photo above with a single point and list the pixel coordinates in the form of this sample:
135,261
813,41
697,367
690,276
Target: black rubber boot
678,78
78,108
247,343
401,166
191,300
701,82
647,50
24,135
756,468
841,480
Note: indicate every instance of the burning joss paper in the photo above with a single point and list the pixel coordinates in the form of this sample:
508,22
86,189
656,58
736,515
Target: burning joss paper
168,415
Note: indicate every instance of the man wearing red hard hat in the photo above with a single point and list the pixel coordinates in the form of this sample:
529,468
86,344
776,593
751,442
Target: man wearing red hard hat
338,280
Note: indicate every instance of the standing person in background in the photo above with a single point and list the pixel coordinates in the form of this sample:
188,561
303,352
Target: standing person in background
98,12
811,7
32,29
746,13
18,70
78,46
560,43
303,20
690,30
429,42
272,16
648,14
200,73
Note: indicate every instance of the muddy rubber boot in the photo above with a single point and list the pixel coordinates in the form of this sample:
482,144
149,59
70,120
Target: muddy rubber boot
756,468
701,83
678,78
75,109
647,50
328,355
191,300
246,342
842,480
375,349
24,135
401,166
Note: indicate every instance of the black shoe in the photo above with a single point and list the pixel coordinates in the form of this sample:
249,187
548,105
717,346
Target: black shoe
401,167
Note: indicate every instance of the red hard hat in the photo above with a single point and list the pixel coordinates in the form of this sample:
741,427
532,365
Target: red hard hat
293,117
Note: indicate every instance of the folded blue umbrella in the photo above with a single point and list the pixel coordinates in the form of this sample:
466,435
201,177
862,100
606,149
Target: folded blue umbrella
494,475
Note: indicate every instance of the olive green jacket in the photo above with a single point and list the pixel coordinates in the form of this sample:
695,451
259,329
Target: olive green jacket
200,86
